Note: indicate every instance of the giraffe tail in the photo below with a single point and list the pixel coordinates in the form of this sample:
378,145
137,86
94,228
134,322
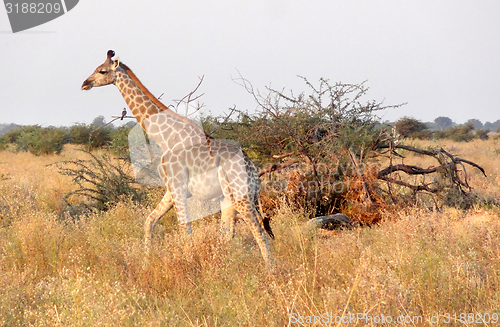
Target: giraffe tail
266,222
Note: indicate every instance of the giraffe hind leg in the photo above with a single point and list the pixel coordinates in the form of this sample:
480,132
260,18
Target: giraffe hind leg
249,214
228,216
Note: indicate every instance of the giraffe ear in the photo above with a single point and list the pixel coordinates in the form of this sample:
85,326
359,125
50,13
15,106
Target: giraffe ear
116,63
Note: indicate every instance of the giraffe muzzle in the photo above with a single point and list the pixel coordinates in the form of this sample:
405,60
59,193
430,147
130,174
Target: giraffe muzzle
87,85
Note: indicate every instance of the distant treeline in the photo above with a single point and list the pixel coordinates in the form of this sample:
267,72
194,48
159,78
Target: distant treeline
444,127
442,123
47,140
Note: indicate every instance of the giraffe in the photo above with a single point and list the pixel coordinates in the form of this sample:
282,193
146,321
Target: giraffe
192,163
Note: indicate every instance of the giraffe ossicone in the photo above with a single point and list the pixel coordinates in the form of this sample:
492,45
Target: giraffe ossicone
191,165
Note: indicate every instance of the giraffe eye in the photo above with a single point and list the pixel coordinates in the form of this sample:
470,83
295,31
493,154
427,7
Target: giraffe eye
103,72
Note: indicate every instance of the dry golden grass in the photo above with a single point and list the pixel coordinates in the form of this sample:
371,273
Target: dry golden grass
92,272
31,184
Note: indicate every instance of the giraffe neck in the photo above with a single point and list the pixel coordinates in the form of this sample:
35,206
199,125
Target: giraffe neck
141,102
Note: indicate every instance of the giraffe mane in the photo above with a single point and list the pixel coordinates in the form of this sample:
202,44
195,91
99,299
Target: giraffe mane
155,100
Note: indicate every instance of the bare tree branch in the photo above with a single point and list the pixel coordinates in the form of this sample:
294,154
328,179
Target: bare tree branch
188,99
226,119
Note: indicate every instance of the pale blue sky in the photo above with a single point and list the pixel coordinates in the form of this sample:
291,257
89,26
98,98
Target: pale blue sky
442,57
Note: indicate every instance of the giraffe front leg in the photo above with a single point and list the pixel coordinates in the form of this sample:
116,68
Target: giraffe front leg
228,217
179,196
186,228
161,209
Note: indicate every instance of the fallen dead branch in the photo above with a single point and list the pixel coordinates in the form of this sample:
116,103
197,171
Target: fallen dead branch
449,165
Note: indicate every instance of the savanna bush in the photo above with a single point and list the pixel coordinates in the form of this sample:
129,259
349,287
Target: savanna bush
90,136
119,142
482,134
10,137
38,140
462,133
330,126
101,181
413,128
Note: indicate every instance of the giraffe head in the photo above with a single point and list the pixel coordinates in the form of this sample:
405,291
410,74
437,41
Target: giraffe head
104,74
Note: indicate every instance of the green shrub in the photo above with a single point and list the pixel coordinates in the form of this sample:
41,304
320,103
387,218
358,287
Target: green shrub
119,144
100,138
437,135
422,135
462,133
482,134
10,137
411,127
38,140
79,133
90,136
